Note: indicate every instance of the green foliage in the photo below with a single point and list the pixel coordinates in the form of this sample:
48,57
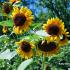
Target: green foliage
8,23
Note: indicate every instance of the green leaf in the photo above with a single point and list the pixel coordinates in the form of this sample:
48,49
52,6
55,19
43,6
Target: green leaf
24,64
8,23
4,38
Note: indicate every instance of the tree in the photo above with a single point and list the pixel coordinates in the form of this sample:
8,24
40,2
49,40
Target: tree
58,8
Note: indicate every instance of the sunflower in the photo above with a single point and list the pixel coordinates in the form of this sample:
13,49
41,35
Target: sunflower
54,26
64,38
7,7
5,29
25,49
47,48
22,18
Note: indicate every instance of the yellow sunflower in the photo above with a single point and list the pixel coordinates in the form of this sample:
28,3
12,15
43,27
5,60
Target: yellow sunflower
22,18
6,7
47,48
5,29
63,38
25,49
54,26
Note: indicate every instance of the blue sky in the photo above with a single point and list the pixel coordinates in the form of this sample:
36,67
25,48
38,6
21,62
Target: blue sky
36,9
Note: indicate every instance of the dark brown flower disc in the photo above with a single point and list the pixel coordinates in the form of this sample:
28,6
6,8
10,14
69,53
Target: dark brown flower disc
7,8
42,45
26,47
19,19
46,47
51,46
53,30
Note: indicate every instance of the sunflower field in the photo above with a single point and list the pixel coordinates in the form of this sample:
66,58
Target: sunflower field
34,34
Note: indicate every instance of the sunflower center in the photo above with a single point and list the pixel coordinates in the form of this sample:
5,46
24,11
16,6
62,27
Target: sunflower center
63,37
26,47
46,47
19,19
53,30
51,46
42,45
6,8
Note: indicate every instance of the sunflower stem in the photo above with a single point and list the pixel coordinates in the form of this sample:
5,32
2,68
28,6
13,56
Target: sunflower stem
34,59
43,62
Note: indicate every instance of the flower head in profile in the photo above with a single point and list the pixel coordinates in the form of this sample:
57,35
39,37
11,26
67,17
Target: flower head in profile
22,18
64,38
25,49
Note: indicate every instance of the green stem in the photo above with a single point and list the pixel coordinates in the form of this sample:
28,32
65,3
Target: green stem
34,59
43,62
